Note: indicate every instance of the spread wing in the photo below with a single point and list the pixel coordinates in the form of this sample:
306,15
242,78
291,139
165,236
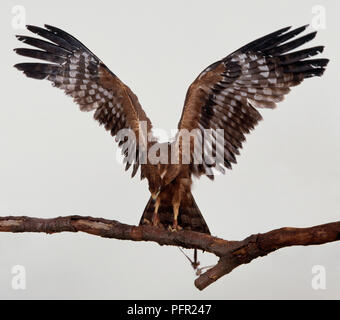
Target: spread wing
226,94
76,70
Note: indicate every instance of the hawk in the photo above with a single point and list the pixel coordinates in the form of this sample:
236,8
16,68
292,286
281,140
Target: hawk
223,98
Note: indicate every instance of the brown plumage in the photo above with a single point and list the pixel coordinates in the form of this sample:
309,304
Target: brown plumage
224,96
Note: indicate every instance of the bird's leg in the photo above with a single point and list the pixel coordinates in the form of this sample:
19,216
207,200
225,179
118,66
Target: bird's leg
155,216
175,225
176,212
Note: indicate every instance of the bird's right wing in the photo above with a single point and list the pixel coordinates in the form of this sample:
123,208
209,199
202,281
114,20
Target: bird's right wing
76,70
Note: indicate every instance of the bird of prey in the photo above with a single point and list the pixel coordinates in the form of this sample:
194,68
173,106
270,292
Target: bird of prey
223,98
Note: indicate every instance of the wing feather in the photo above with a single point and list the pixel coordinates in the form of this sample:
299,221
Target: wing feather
227,93
82,75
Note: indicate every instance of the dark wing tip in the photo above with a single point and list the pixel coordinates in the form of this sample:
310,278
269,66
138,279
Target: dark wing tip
32,28
311,35
322,65
37,70
282,30
304,27
27,70
26,66
52,28
257,43
18,66
55,30
19,51
319,49
37,30
323,62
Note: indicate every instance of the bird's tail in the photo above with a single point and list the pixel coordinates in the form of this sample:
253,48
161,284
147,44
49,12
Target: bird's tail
189,217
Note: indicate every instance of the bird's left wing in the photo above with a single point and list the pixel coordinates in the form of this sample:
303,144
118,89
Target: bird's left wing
227,93
76,70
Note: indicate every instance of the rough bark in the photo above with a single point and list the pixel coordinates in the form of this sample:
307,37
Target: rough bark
231,253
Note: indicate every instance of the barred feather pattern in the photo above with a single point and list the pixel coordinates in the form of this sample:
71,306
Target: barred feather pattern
83,76
227,93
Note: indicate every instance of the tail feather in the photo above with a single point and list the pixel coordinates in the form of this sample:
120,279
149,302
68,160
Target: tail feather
189,218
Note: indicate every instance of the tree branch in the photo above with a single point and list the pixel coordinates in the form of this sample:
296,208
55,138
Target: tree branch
231,253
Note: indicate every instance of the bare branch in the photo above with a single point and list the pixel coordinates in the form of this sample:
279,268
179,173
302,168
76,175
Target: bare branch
231,253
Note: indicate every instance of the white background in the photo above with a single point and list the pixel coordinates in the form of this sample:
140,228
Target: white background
56,161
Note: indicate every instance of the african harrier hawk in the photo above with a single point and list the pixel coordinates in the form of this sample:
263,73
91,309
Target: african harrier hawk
225,96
